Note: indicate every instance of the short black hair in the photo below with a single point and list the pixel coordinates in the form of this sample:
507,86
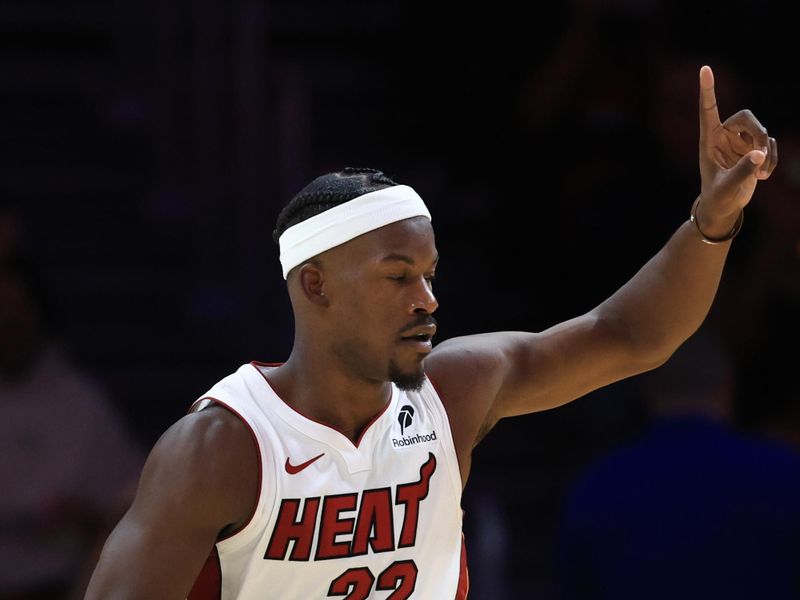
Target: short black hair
327,191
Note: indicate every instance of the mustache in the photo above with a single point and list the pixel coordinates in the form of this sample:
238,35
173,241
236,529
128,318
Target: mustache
421,321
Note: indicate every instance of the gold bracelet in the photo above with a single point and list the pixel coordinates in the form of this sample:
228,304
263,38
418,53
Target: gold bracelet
737,227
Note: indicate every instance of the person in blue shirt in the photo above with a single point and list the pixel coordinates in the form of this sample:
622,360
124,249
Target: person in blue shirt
692,508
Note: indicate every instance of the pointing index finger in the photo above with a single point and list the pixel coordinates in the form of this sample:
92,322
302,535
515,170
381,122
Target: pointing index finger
709,115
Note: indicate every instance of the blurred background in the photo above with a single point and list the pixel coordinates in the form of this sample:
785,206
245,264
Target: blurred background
147,148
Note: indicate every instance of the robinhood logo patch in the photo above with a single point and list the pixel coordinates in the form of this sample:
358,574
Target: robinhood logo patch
405,418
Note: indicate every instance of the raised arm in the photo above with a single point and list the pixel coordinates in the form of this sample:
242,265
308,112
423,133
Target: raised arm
199,483
491,376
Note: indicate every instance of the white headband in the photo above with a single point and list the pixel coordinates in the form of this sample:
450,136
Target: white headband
346,221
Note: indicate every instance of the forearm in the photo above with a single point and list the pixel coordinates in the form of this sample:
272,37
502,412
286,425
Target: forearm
670,296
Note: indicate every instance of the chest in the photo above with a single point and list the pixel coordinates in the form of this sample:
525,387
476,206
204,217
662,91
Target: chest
334,501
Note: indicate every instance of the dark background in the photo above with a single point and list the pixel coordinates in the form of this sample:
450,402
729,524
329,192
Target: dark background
147,148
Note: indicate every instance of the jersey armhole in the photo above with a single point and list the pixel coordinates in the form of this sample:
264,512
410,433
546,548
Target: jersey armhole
440,398
450,440
208,401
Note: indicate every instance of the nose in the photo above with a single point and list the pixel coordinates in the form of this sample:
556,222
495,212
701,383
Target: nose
423,301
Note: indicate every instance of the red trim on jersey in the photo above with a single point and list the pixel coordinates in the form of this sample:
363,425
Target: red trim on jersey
463,577
450,423
256,363
438,393
260,466
208,585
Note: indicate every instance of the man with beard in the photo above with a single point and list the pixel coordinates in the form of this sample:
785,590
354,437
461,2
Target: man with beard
339,472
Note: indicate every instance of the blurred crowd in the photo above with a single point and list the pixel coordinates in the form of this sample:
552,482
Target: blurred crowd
70,463
551,179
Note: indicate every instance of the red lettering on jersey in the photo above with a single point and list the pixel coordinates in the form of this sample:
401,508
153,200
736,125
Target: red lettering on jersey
375,526
402,572
355,583
411,494
288,528
331,525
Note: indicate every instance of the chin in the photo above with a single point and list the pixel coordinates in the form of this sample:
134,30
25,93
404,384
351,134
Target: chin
407,380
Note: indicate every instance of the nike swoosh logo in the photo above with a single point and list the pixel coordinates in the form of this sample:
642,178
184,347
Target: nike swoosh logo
295,469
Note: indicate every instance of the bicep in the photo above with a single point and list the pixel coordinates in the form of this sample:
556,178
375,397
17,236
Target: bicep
190,491
502,374
548,369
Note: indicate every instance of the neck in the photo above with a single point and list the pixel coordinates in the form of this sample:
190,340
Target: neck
327,392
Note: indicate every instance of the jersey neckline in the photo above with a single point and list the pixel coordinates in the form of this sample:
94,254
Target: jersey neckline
313,427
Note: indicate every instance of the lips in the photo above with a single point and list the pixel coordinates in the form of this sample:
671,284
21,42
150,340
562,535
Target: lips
420,338
423,333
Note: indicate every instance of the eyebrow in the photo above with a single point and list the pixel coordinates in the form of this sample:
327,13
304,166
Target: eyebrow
404,258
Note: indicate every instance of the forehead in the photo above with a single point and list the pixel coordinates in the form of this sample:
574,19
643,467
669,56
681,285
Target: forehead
412,237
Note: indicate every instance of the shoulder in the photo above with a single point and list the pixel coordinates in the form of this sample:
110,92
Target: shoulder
471,370
462,362
467,374
216,435
199,485
210,460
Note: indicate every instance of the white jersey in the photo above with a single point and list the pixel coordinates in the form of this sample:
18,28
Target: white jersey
378,519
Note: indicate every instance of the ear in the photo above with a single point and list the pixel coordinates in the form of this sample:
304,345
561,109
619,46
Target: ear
312,284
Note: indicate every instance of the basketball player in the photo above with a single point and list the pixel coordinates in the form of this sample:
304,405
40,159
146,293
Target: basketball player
338,474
